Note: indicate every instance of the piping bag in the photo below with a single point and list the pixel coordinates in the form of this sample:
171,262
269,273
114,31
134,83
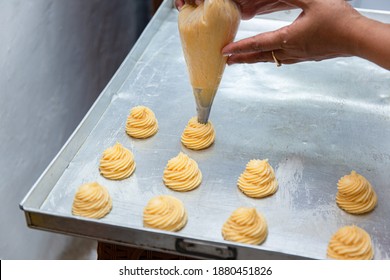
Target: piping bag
204,30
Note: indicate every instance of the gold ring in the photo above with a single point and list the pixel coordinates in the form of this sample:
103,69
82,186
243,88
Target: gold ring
278,63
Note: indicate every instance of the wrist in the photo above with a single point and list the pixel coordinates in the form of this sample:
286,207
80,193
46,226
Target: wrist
347,25
371,41
357,37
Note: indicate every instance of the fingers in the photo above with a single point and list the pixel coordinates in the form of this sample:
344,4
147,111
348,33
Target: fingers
256,57
252,57
191,2
180,3
263,42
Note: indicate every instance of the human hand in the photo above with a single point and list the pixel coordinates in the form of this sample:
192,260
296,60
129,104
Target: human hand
320,32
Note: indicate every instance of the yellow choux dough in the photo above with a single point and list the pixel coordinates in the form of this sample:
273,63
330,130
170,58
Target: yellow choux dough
92,200
204,30
141,122
198,136
350,243
355,194
117,163
258,180
182,173
245,225
165,212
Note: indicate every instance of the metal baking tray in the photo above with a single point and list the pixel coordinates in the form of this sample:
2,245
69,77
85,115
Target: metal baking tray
314,121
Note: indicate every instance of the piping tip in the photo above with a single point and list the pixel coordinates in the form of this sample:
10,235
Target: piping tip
202,109
203,114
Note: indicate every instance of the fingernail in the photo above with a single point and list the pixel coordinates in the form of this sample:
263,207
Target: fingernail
226,54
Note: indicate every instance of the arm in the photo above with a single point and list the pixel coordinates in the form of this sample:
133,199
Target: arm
325,29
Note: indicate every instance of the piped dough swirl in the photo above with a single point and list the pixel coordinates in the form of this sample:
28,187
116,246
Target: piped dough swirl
355,194
165,212
245,225
198,136
258,180
350,243
182,173
141,122
117,163
92,200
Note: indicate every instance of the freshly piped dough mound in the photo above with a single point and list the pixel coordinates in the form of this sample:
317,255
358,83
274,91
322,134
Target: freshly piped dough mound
350,243
182,173
117,163
258,180
198,136
245,225
355,194
204,30
92,200
165,212
141,122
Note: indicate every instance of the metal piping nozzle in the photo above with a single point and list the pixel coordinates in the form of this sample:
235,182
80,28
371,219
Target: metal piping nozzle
202,109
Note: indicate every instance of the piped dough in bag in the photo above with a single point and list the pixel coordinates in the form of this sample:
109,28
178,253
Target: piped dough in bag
204,31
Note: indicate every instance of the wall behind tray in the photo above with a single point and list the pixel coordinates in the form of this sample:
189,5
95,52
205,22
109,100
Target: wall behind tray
55,58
